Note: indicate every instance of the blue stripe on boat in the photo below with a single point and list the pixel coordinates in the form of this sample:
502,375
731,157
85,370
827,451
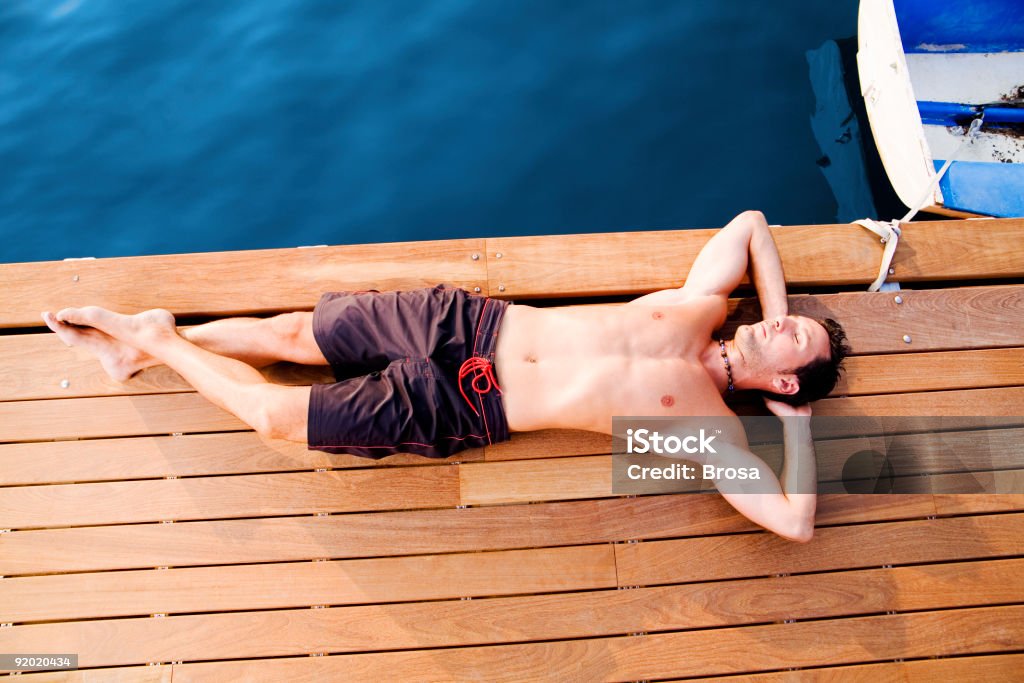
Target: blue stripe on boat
954,114
983,187
961,26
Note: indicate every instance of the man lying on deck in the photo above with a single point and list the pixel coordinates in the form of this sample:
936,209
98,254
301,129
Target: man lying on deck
419,371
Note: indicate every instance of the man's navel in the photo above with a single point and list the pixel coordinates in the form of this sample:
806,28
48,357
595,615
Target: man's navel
657,315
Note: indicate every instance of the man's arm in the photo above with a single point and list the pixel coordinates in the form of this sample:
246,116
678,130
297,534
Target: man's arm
800,466
746,242
785,507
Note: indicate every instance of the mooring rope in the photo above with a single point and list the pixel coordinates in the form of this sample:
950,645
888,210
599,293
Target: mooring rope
889,231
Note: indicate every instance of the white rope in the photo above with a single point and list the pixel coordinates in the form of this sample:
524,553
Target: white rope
889,231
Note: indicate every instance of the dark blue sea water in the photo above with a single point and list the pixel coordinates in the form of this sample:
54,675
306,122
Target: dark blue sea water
134,127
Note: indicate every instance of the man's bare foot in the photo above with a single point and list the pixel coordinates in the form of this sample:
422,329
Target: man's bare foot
137,330
120,360
113,338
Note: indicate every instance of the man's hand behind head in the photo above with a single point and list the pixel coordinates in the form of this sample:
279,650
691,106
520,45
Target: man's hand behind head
781,409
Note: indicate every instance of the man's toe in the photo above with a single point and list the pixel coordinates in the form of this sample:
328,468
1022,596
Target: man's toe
75,316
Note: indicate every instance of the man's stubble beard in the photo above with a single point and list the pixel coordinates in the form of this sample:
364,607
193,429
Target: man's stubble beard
753,355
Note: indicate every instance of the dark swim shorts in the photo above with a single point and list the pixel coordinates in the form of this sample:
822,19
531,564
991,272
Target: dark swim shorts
415,373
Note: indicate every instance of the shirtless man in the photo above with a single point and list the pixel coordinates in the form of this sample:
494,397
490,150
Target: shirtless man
419,371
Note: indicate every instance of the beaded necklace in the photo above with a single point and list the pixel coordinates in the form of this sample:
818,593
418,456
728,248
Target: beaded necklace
728,368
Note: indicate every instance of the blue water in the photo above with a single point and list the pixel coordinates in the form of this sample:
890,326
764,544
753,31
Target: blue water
133,127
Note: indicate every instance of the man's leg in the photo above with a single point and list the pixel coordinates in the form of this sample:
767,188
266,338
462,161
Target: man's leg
255,341
272,410
260,341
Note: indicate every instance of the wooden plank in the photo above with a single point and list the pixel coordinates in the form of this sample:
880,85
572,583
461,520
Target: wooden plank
35,366
552,479
593,476
432,486
910,372
994,668
152,457
934,540
954,250
238,453
912,454
74,418
991,668
138,546
237,282
190,413
135,674
522,618
959,503
184,455
528,480
548,443
983,630
189,455
934,319
303,584
24,507
949,319
634,263
557,265
998,482
246,452
1008,402
480,483
556,443
846,508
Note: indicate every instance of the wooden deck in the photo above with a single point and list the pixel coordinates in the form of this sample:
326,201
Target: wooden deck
159,539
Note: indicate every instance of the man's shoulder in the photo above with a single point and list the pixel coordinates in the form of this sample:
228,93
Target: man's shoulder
712,308
679,297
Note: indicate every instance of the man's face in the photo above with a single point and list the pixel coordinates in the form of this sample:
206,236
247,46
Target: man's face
776,347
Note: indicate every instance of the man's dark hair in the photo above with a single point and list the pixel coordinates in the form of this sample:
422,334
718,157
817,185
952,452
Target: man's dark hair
818,378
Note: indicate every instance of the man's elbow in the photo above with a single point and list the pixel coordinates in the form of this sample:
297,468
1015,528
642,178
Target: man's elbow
801,531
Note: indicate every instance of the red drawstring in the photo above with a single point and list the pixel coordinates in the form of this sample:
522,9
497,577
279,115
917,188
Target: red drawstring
479,368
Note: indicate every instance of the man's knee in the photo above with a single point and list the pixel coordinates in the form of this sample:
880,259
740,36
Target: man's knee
295,342
290,326
282,412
